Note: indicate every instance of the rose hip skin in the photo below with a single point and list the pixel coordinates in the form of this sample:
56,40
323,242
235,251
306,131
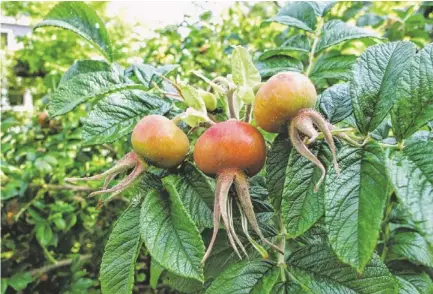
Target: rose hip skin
281,97
230,145
159,141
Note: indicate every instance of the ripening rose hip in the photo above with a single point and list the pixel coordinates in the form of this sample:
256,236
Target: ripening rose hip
231,150
155,140
159,141
289,98
280,99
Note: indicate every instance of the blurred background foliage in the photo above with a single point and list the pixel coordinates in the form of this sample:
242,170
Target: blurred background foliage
52,235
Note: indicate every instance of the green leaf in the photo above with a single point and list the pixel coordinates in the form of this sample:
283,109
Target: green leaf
148,74
332,67
44,233
170,235
4,286
302,42
279,63
120,254
411,174
301,207
82,20
335,103
370,19
300,15
318,270
276,166
117,114
86,86
354,203
243,70
283,50
20,281
196,192
336,31
414,283
243,277
155,272
411,246
193,98
414,105
184,285
85,66
374,81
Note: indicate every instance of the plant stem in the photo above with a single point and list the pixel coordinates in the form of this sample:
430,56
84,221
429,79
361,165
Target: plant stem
61,263
231,103
317,33
248,110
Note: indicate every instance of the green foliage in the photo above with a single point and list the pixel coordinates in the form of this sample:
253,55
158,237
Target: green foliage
367,230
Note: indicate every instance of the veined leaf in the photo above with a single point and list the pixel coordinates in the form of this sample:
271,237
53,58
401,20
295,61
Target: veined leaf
411,174
279,63
354,203
332,67
336,31
86,86
85,66
374,82
82,20
318,270
412,282
120,254
116,115
411,246
148,74
335,103
414,105
286,50
244,277
301,15
170,235
196,193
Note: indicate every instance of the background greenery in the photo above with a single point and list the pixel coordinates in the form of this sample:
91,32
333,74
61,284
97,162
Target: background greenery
46,222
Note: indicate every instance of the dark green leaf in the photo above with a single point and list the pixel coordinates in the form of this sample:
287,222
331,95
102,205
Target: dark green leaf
196,192
411,246
354,203
279,63
184,285
414,105
300,15
414,283
86,86
116,115
44,233
276,166
374,81
370,19
82,20
120,254
335,103
319,271
332,67
283,51
336,31
170,235
298,41
85,66
301,207
246,277
20,281
155,272
148,74
4,286
411,173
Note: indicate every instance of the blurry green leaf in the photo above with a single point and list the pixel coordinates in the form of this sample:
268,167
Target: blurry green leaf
302,42
120,254
43,166
210,100
147,74
20,281
155,272
332,67
170,235
414,104
193,98
4,286
244,74
335,103
370,19
411,174
336,31
411,282
117,114
196,192
289,51
374,79
243,278
184,285
44,234
354,203
82,20
319,271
